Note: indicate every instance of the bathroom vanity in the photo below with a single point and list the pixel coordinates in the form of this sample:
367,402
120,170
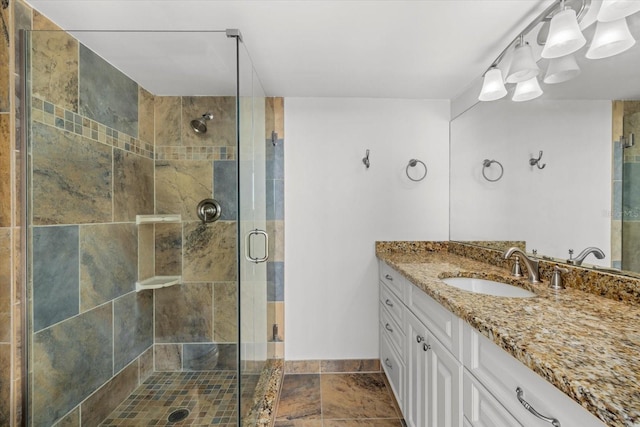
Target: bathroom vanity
458,358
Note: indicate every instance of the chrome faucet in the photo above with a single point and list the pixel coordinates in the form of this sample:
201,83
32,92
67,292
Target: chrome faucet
582,255
532,264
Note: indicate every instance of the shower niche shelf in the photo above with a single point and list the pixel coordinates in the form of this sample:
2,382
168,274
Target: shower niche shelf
158,282
146,251
157,219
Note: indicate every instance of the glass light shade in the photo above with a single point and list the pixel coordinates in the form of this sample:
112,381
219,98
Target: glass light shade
561,69
528,90
612,10
523,66
565,36
492,86
611,38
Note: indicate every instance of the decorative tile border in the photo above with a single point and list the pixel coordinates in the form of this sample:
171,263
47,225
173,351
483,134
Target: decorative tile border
53,115
195,153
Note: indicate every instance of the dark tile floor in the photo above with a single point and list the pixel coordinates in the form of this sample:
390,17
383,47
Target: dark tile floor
209,396
337,400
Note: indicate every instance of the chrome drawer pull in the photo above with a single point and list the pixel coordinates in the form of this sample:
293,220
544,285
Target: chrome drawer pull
554,422
389,303
388,277
388,327
426,347
419,339
388,363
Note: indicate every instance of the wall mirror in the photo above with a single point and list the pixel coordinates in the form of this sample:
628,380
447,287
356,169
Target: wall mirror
587,193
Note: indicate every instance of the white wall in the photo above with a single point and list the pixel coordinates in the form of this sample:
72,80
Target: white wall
565,205
335,209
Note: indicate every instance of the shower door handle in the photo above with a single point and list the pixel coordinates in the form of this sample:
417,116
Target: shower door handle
248,252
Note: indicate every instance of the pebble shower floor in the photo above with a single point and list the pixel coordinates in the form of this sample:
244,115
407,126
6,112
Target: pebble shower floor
209,396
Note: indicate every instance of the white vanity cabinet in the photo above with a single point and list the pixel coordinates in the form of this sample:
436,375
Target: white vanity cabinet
481,409
392,336
502,374
431,390
446,374
434,379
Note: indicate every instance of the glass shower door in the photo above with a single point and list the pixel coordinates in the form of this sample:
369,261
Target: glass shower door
252,237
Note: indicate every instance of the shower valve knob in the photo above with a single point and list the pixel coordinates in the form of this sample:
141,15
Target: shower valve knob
209,210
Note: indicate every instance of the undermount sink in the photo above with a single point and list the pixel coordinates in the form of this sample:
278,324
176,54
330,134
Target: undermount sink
487,287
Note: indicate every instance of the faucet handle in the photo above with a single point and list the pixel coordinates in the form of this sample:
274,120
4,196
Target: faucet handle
556,277
570,254
516,270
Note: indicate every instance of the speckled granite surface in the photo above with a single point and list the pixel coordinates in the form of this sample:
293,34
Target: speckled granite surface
267,393
586,345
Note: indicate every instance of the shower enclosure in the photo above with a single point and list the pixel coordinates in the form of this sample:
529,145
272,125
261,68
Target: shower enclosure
141,311
630,155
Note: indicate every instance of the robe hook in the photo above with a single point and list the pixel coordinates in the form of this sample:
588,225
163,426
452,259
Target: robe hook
365,160
536,162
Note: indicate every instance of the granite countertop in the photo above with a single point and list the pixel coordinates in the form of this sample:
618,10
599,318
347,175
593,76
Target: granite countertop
586,345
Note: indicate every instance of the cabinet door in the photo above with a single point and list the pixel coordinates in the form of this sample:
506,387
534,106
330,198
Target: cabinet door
416,405
445,386
393,367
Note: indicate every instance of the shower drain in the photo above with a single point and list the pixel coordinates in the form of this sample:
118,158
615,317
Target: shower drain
178,415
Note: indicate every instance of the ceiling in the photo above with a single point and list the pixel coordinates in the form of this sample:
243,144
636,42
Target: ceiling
426,49
320,48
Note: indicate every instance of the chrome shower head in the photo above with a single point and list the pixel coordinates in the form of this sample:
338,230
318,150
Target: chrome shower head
200,125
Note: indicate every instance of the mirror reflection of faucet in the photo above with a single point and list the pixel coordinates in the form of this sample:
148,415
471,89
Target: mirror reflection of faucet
582,255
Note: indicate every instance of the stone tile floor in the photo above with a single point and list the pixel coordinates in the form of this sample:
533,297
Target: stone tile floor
326,395
337,400
210,397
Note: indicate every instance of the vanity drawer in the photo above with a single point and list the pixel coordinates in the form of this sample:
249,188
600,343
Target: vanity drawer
446,326
502,374
392,279
391,329
393,367
480,408
392,303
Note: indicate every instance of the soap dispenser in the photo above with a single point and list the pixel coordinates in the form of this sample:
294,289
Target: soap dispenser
556,278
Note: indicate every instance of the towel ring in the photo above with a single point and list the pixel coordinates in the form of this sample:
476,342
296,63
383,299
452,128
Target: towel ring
487,163
413,163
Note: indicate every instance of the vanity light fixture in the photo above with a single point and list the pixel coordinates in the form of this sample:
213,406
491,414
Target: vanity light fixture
527,90
559,32
493,85
564,36
561,69
611,38
523,66
612,10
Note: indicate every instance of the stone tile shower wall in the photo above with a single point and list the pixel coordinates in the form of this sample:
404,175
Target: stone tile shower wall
195,323
92,159
9,231
616,184
630,193
274,121
16,16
